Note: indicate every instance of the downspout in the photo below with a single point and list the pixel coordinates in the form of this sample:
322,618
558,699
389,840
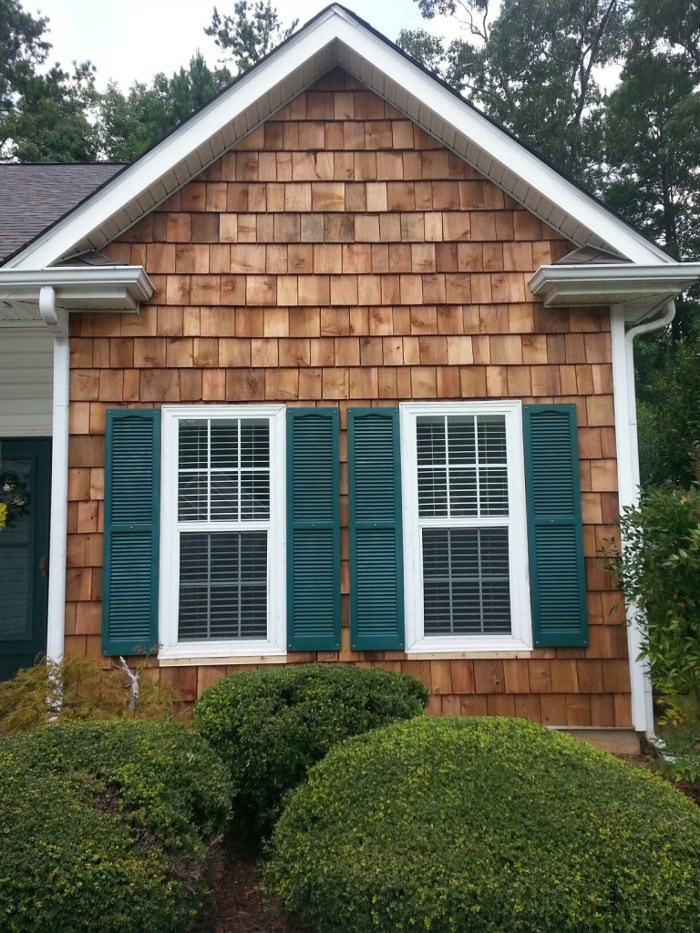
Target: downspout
57,323
624,395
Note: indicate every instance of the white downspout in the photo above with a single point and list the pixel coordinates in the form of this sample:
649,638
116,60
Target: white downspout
57,322
624,396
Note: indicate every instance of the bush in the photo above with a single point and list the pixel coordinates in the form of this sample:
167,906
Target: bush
271,725
107,826
79,689
658,570
453,825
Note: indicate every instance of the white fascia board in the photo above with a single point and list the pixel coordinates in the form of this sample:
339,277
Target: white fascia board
78,283
621,282
176,147
501,146
375,55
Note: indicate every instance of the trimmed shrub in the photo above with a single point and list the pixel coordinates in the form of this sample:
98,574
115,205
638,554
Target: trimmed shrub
107,826
487,826
271,725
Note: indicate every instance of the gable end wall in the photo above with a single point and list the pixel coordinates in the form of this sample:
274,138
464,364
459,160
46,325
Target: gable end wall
341,256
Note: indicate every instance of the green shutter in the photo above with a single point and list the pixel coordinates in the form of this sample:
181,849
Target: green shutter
376,553
132,502
313,530
557,580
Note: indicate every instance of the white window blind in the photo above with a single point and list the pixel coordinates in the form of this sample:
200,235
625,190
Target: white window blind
462,483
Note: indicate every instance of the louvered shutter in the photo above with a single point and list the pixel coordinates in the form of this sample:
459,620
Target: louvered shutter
376,553
313,530
130,574
557,581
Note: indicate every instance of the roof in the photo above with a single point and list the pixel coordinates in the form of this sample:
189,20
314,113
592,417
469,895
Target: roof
336,37
32,197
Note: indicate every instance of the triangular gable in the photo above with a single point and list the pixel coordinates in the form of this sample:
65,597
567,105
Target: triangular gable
337,37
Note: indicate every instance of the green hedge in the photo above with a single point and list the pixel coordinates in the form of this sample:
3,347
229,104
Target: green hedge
271,725
485,826
107,826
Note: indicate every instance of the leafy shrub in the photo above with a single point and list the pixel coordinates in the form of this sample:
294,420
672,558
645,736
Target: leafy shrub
78,689
658,569
453,825
107,826
271,725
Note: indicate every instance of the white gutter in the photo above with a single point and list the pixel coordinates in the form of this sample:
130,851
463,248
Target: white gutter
57,323
647,286
624,397
119,288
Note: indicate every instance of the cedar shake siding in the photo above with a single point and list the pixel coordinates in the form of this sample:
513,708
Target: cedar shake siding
341,257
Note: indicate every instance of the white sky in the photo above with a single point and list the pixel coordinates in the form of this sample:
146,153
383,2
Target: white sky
131,40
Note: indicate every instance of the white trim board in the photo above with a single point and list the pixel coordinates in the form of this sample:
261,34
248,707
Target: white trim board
336,37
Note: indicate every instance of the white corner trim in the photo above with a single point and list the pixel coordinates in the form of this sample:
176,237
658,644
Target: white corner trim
56,614
624,400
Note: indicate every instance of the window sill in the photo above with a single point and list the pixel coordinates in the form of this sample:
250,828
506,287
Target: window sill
247,653
469,647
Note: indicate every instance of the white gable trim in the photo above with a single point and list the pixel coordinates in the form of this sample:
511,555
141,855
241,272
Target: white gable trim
335,37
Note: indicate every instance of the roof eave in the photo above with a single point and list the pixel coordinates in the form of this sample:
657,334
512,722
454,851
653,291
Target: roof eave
639,288
103,289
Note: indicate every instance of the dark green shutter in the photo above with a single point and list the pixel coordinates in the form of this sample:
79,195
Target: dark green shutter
376,553
313,530
132,502
557,580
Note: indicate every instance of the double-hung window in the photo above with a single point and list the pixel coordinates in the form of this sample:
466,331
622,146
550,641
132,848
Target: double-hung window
465,535
222,517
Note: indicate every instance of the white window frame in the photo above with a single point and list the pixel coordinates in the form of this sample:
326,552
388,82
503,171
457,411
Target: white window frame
168,613
520,638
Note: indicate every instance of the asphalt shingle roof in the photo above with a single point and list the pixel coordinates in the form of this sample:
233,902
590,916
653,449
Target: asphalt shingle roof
34,196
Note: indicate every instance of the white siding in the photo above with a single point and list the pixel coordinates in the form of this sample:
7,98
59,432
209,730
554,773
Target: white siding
26,381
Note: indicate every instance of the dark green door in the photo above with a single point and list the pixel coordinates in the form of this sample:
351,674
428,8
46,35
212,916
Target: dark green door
25,466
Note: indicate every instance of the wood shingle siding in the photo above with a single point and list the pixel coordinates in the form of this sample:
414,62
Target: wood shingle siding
341,257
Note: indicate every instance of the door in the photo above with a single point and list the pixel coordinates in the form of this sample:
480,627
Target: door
25,471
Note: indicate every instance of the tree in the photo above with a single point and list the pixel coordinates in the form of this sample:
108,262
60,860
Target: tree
44,117
534,68
248,35
132,122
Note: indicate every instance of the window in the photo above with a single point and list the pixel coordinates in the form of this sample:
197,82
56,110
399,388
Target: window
465,536
221,531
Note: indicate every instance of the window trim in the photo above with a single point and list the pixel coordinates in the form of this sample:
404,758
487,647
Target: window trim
275,643
521,635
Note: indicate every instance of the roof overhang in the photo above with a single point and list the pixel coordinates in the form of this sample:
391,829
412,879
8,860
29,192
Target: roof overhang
337,38
104,288
639,288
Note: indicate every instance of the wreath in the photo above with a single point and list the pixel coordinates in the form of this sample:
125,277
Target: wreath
14,498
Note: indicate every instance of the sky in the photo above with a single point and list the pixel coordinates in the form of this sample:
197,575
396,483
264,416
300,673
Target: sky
131,40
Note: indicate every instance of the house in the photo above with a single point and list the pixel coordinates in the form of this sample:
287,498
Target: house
338,370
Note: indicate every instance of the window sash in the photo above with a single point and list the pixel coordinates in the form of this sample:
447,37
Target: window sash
439,616
207,611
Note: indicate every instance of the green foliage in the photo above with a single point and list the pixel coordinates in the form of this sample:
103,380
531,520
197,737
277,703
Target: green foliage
533,68
130,123
248,35
485,825
658,571
669,413
79,689
44,115
107,826
271,725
